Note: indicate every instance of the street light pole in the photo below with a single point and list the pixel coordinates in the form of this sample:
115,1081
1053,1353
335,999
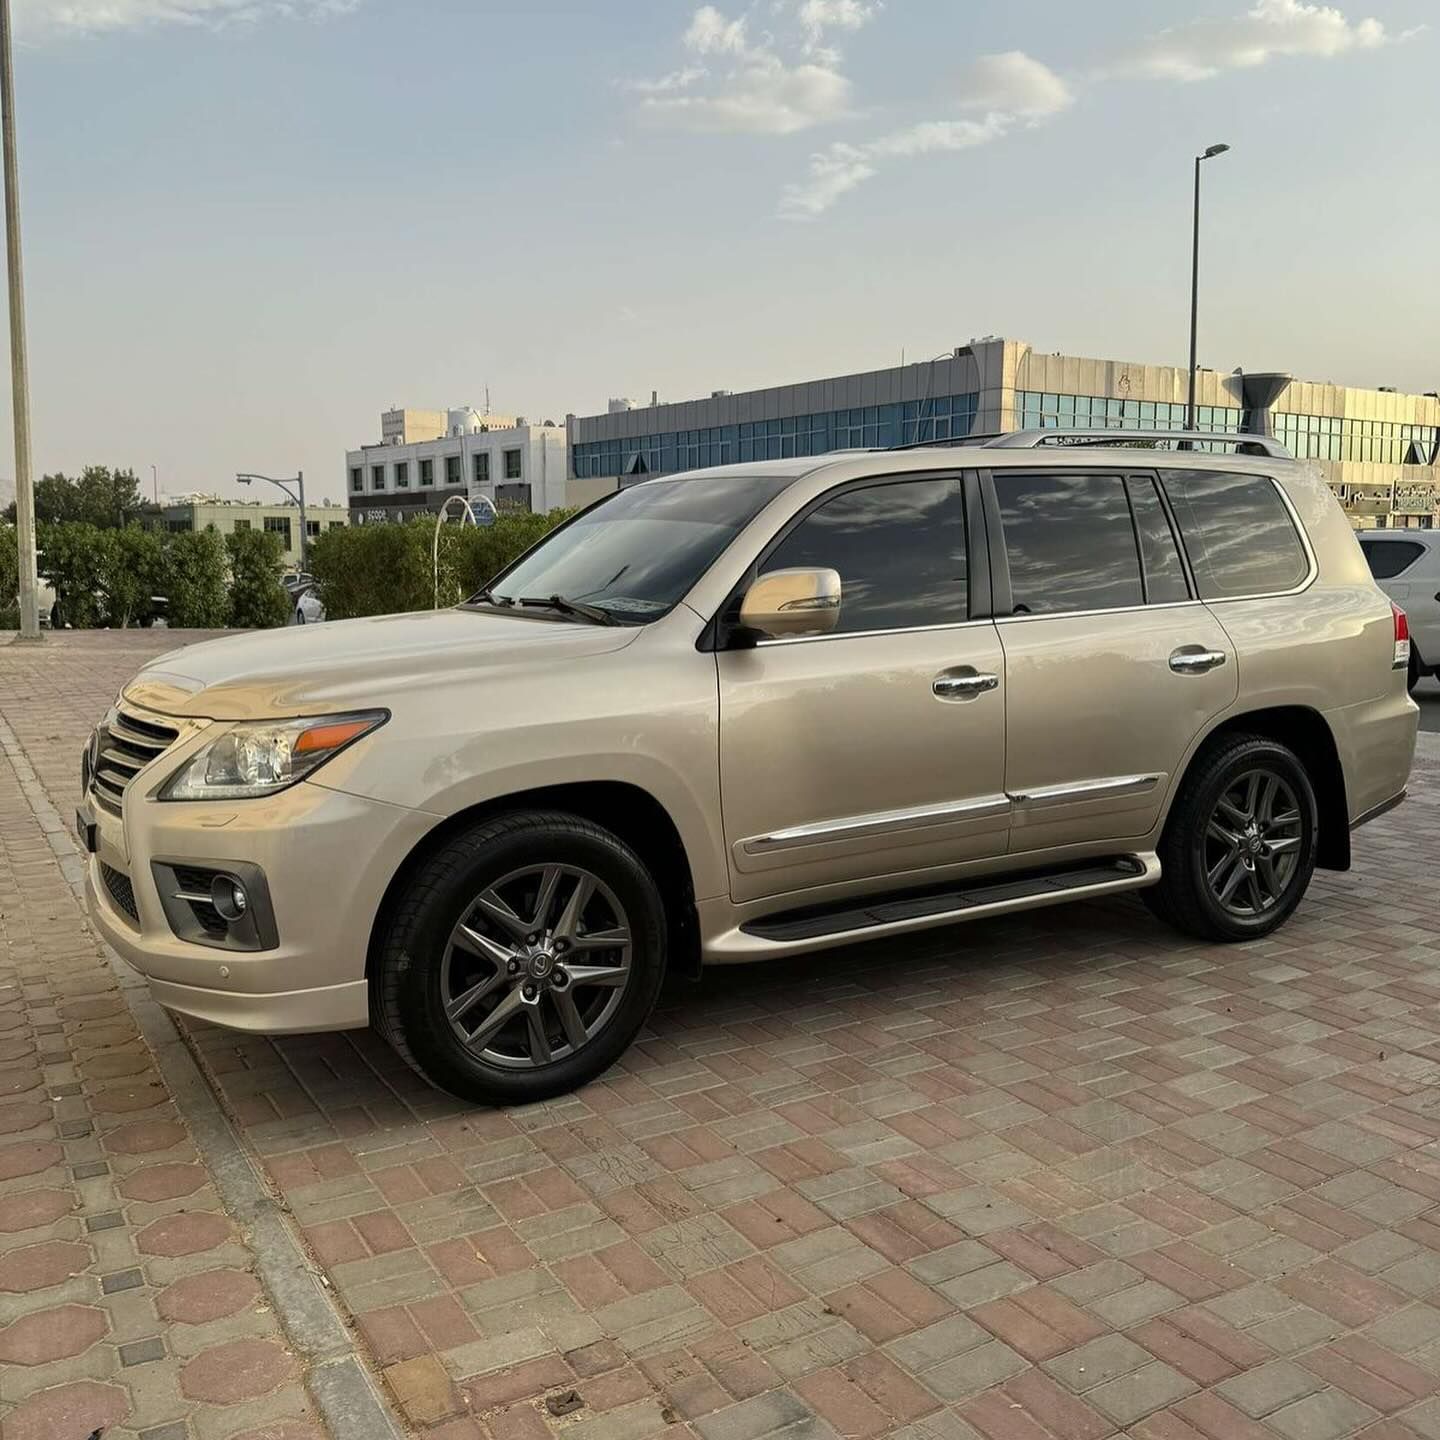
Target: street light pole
19,365
297,495
1209,154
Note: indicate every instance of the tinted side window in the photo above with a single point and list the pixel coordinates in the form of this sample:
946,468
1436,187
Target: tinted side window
1237,531
899,549
1388,558
1164,571
1069,541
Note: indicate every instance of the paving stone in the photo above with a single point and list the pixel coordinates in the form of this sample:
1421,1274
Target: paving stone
1260,1391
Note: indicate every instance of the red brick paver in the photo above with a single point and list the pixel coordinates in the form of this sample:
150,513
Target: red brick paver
1068,1175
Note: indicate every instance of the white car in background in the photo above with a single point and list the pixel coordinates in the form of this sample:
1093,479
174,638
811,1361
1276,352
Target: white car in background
309,609
1406,566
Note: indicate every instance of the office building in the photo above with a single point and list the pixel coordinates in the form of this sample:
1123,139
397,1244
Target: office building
180,514
1377,447
426,456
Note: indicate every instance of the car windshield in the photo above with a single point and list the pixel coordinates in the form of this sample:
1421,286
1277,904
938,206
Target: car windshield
637,554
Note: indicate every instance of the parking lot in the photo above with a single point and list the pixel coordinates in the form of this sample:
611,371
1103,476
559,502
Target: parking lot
1064,1175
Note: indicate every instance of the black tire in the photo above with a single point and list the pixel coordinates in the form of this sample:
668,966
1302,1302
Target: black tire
1191,853
418,963
1412,676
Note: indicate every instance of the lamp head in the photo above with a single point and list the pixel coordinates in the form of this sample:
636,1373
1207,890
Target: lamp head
1214,150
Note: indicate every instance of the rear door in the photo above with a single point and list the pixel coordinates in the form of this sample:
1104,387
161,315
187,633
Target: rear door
875,753
1112,665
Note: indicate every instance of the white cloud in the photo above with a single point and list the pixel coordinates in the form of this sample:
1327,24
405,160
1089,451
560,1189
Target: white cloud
1013,83
1204,48
752,86
837,170
83,17
710,33
818,16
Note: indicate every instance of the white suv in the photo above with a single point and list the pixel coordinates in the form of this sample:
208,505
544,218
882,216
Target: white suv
1406,566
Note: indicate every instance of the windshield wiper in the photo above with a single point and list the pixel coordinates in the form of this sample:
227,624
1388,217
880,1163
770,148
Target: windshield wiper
593,613
485,597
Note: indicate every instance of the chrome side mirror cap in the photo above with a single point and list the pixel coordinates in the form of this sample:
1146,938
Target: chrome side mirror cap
792,602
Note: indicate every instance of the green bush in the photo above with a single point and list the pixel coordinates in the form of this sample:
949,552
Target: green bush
78,560
9,578
257,598
194,581
134,576
386,569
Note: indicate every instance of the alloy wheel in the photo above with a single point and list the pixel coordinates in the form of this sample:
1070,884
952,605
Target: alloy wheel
1252,843
536,966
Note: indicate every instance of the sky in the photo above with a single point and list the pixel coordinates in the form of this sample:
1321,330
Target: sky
252,225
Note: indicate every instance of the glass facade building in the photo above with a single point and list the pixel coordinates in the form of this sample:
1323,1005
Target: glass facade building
863,427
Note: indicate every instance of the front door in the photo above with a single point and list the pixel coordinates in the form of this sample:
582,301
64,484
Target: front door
1112,665
875,753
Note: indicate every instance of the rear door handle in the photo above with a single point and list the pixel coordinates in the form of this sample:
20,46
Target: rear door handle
966,685
1196,660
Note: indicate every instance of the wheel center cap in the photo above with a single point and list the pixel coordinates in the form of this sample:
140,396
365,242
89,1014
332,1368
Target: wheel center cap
541,964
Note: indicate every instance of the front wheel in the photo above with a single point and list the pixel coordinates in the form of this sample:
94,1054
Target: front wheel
1239,847
523,958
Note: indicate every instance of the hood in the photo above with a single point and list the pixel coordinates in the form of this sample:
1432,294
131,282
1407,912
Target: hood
349,664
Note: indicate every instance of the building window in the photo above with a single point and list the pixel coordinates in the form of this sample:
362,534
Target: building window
427,472
312,528
279,525
179,527
402,475
357,479
377,477
452,470
482,468
242,524
1035,410
337,524
512,464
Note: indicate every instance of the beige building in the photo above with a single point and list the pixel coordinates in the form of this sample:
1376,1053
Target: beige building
182,513
1376,447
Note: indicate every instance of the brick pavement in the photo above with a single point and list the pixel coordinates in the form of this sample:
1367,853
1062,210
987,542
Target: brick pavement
1063,1175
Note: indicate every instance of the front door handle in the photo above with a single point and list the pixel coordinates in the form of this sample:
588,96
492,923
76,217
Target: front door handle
1196,660
963,685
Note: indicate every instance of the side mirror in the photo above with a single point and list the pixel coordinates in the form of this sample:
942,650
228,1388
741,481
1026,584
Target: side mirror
792,602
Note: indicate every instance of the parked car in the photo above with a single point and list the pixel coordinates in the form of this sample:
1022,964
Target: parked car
308,608
756,712
1406,566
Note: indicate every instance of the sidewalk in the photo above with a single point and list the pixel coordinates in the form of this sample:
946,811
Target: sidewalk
1066,1175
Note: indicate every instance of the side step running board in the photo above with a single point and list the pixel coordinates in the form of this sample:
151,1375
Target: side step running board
872,917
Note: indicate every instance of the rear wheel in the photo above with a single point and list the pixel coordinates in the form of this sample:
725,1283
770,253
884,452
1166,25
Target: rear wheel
1239,848
523,958
1412,677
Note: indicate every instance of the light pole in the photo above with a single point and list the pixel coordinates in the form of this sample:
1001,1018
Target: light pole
19,367
1210,153
155,480
298,498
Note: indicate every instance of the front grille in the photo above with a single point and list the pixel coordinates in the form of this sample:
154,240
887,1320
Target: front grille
126,742
122,892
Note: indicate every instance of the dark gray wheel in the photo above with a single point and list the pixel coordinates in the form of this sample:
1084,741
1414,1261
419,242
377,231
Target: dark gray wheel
522,959
1239,847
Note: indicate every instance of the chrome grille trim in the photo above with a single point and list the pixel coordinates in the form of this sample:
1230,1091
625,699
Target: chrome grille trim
126,742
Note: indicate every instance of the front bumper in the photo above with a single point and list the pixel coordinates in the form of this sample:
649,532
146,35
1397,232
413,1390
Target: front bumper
327,859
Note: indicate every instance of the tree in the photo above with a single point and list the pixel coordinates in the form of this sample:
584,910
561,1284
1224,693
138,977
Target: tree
9,578
134,575
108,499
194,581
77,559
257,598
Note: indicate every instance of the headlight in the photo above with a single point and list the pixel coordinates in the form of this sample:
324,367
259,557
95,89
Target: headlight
263,758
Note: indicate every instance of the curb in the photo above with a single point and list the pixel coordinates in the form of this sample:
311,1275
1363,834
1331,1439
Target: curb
341,1387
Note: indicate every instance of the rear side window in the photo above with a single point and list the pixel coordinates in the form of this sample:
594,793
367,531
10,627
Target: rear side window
1388,558
1237,532
1069,542
1164,571
899,549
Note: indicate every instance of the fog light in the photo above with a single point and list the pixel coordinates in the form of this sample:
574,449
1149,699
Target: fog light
229,898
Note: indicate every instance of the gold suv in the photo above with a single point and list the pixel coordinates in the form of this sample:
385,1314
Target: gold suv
751,712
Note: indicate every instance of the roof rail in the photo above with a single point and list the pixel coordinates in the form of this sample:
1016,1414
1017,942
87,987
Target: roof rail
1035,439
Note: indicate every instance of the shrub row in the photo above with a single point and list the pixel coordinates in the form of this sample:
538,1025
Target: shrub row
112,577
383,569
